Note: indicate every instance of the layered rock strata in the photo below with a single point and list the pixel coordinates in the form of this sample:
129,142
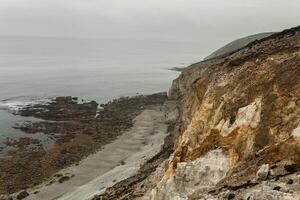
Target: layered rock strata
239,115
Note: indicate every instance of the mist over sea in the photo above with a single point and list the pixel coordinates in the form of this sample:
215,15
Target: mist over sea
37,68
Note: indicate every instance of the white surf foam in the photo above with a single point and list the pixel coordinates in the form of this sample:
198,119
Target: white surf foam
16,103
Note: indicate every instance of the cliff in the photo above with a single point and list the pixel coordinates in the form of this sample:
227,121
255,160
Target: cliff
237,135
235,129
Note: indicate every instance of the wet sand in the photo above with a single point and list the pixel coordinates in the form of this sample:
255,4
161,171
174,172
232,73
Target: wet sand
115,162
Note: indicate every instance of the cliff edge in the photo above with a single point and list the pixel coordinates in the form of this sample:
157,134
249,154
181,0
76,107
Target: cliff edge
238,134
235,129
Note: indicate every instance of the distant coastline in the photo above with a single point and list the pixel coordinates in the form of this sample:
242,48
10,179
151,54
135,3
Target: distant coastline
177,69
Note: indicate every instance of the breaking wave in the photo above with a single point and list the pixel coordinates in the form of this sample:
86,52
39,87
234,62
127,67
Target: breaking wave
16,103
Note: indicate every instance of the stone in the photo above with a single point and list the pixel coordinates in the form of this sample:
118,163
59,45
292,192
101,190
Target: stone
248,117
230,196
277,188
274,166
263,172
290,181
296,131
291,168
63,179
284,189
248,196
203,172
22,195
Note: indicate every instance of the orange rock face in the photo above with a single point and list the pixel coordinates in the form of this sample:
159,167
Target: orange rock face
246,103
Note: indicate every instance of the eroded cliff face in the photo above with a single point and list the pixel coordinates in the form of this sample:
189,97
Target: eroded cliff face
237,113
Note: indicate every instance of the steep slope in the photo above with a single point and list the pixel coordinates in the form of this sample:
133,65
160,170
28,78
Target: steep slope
239,125
235,126
237,44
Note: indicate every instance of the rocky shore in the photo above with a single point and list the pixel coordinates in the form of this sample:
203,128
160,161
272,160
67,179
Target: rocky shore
230,125
76,129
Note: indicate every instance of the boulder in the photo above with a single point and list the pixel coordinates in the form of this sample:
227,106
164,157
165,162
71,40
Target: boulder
263,172
22,195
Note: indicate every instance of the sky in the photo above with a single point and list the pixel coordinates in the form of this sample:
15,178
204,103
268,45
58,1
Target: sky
182,20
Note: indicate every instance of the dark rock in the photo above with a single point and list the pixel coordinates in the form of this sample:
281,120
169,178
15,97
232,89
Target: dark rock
6,198
22,195
241,186
290,181
211,191
63,179
230,196
291,168
273,166
58,175
277,188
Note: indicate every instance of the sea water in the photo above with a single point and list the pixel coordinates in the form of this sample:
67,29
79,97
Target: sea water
34,69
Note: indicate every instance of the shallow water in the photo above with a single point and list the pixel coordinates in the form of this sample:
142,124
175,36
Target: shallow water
34,69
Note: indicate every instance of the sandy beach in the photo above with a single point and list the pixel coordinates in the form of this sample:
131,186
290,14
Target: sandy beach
115,162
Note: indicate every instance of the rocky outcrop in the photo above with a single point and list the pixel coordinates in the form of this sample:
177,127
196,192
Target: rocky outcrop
189,177
238,125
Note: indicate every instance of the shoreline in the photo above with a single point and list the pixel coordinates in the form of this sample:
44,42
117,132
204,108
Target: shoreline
82,133
132,149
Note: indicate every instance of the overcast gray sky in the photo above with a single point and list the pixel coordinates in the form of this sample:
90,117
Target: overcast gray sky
195,20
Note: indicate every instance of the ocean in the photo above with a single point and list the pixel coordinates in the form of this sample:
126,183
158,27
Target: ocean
34,69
